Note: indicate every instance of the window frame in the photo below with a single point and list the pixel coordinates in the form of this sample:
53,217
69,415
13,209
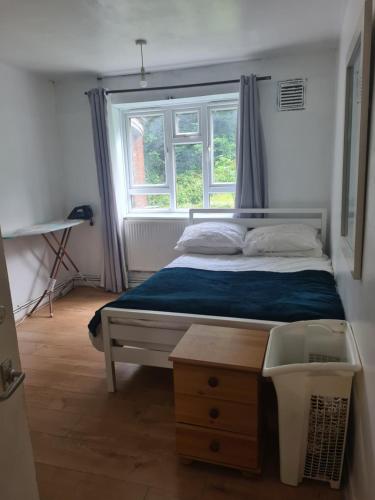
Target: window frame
129,151
169,110
188,110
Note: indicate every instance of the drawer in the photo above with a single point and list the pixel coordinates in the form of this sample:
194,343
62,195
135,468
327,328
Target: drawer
213,382
217,414
219,447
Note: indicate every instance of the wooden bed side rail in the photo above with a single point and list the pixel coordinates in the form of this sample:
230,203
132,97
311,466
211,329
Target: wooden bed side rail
173,321
147,337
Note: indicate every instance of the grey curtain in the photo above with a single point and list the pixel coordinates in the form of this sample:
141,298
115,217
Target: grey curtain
114,276
251,187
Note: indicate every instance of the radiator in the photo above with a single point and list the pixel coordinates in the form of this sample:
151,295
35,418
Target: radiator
149,243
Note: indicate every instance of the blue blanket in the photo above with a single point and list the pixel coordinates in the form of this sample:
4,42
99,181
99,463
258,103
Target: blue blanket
261,295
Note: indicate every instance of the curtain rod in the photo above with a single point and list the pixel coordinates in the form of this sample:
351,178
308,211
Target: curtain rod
188,85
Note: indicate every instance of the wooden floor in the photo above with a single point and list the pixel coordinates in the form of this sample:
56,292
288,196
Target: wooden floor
91,445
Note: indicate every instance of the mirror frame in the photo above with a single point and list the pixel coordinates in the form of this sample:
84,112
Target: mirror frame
361,41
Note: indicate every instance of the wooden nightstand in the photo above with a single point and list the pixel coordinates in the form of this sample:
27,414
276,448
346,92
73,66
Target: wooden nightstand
217,374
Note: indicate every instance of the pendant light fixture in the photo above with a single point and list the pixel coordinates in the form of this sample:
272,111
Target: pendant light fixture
142,81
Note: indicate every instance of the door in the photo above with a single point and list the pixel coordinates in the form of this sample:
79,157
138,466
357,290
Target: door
17,470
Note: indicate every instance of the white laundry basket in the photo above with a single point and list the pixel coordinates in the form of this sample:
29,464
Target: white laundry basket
312,364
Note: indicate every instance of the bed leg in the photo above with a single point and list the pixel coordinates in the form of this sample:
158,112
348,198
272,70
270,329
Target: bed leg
111,376
109,363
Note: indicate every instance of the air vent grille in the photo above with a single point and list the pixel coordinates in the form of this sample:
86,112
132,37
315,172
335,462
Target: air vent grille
291,95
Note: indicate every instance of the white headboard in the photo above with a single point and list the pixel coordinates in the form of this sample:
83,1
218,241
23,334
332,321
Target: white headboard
316,217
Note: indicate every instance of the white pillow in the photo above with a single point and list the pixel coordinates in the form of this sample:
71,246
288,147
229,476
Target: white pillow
214,238
286,240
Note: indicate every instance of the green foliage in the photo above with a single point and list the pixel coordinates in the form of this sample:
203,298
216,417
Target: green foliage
158,201
222,200
189,179
224,159
189,190
153,139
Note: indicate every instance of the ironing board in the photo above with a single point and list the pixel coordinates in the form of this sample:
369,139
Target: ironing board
58,247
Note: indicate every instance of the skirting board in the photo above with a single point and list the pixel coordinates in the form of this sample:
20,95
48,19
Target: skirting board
86,280
349,493
135,279
138,277
60,290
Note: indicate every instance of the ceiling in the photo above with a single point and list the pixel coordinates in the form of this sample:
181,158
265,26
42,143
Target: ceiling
60,37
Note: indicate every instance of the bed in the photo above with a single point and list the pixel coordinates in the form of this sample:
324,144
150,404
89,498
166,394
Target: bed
144,325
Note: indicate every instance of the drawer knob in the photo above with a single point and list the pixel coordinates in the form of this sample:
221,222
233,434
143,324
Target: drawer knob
215,446
213,382
214,413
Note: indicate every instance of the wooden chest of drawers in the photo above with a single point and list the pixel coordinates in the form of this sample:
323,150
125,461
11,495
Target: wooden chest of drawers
217,395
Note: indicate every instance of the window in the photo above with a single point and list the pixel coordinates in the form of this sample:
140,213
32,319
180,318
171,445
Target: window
181,154
186,123
147,150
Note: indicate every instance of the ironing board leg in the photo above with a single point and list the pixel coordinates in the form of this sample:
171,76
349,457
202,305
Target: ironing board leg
68,257
65,253
50,305
59,255
45,237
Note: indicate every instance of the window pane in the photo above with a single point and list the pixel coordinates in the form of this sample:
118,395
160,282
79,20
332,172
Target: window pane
142,201
189,177
187,122
224,126
147,149
222,200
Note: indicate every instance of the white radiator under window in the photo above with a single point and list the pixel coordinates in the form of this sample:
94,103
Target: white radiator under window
149,242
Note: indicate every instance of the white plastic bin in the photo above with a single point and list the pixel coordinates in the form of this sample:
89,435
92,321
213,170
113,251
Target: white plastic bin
312,364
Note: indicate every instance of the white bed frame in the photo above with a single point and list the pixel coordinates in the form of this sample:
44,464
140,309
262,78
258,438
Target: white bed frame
148,337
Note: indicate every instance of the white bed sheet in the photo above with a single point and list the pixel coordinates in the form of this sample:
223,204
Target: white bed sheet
242,263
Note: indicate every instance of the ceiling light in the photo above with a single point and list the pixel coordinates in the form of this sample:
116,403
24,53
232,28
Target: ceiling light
142,81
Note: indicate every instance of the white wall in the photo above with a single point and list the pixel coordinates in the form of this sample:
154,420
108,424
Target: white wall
30,175
358,296
299,143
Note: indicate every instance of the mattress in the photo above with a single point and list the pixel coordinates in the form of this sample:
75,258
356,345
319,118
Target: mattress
240,262
271,288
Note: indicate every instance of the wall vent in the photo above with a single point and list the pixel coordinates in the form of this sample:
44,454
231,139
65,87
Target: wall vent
291,95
